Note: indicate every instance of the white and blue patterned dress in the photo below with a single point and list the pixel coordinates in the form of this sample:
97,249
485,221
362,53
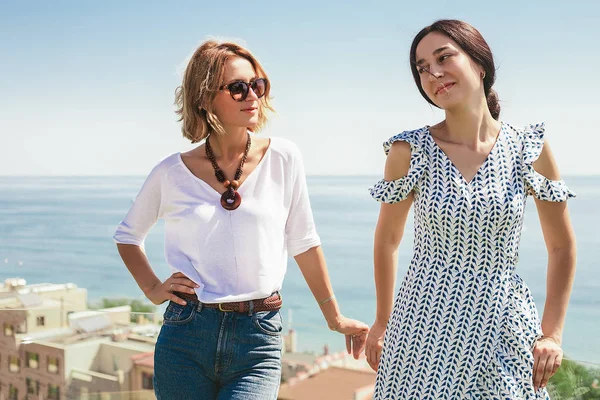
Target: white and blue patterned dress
464,323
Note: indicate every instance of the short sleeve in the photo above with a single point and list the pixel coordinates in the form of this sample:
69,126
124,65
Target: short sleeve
300,231
537,184
144,211
399,189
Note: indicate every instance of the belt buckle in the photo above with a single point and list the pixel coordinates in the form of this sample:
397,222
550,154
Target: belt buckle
222,309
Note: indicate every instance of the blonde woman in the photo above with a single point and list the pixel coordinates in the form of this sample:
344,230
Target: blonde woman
234,208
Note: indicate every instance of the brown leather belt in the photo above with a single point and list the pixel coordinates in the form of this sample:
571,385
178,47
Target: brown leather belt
270,303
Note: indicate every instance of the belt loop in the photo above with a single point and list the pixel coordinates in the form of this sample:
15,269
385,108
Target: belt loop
251,308
199,307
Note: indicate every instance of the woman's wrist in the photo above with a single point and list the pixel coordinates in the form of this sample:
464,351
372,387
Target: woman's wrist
335,324
327,300
554,338
331,312
382,317
150,288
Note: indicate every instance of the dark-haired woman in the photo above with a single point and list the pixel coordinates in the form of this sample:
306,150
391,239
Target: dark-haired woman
463,324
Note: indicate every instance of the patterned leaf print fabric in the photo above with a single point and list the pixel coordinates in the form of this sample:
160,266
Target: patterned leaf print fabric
464,324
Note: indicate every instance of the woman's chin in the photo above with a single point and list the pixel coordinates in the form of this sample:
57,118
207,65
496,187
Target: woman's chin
252,122
448,103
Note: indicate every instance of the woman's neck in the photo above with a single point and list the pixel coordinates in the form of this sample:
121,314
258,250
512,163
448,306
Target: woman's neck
230,145
471,126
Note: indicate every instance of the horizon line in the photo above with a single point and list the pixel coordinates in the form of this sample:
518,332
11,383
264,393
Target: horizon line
577,175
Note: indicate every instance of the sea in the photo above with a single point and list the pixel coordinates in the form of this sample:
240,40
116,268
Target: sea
59,229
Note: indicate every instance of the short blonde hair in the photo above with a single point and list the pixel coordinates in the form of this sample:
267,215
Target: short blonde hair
201,82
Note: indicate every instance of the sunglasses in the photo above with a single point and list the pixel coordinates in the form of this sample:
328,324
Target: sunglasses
239,90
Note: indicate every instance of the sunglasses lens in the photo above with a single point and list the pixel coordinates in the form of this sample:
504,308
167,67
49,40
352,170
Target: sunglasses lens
238,90
259,87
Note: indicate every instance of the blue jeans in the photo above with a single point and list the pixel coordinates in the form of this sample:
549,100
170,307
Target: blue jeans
204,353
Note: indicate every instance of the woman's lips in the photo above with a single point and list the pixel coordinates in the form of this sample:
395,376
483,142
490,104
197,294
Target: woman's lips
444,88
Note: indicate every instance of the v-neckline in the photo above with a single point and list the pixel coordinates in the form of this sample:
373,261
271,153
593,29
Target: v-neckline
481,167
243,184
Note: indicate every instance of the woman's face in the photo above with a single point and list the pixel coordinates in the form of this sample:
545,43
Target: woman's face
449,77
229,111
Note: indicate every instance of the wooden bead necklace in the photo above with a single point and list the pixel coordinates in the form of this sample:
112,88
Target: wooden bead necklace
230,199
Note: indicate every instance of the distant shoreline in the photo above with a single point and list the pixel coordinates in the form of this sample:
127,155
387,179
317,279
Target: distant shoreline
2,176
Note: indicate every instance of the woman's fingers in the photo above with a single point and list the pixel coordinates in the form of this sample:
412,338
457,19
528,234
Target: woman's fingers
349,344
359,341
547,371
176,299
371,358
539,368
557,363
178,282
180,276
185,283
373,352
180,288
547,356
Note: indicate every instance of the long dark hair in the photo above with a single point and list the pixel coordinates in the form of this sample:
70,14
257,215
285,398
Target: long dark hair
470,40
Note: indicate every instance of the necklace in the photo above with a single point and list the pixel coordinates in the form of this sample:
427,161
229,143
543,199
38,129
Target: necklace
230,199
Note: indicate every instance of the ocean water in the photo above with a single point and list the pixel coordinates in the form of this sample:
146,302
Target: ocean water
57,229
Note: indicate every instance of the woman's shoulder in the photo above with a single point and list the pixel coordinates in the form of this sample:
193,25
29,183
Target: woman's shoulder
284,148
413,137
164,166
529,132
169,161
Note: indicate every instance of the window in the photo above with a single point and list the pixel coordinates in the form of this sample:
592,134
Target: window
33,360
8,330
53,365
14,364
41,321
33,387
53,392
13,393
147,382
22,327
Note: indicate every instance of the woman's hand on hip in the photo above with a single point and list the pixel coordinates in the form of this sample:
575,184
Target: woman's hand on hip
356,334
547,356
375,344
177,282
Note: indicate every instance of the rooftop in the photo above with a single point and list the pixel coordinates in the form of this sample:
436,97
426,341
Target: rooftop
16,294
332,384
144,359
300,358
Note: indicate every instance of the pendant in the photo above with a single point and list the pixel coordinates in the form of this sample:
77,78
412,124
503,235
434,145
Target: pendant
230,201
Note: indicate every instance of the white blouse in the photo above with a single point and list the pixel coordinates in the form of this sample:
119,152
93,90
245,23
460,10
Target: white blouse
232,255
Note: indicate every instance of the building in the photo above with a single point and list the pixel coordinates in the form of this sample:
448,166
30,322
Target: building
27,310
333,383
52,347
143,372
307,364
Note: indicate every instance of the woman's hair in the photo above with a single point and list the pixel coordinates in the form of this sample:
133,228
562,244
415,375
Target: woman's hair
201,81
470,40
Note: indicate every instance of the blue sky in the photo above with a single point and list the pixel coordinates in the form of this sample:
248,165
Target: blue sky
86,88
